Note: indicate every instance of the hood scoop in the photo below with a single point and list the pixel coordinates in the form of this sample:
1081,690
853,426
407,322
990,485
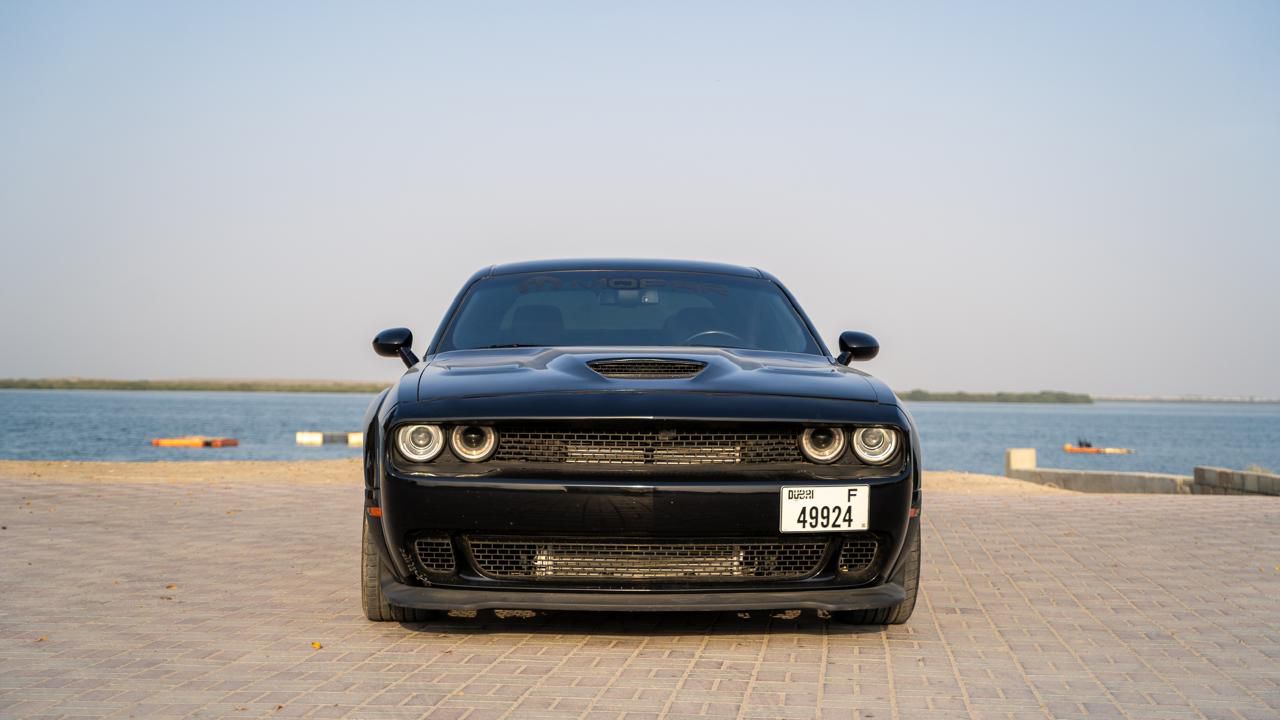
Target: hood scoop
647,368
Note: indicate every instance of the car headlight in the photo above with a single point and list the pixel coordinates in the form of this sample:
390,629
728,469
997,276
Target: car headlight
822,445
420,443
473,443
874,445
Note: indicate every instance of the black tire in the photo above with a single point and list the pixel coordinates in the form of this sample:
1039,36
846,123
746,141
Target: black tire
908,575
375,604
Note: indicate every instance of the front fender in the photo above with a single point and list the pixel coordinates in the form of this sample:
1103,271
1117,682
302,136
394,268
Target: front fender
374,421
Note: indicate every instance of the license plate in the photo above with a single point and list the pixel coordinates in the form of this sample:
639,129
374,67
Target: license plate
824,509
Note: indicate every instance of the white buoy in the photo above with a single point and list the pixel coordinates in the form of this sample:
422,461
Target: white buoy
311,438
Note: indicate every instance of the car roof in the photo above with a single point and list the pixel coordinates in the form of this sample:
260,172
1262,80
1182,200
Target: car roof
694,266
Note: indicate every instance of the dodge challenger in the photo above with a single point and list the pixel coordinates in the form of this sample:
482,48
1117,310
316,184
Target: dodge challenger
637,435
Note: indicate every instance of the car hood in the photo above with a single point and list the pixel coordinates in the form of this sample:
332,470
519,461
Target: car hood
466,374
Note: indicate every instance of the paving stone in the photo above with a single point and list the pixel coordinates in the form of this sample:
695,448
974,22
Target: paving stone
1033,606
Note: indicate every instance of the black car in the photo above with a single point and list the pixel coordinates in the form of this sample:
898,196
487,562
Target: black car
637,435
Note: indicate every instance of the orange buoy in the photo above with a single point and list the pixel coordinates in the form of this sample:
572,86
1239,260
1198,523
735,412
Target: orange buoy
195,441
1068,447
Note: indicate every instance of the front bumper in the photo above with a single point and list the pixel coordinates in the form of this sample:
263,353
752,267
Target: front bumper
445,598
623,506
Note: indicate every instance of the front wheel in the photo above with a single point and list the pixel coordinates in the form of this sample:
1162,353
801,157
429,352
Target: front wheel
908,575
374,602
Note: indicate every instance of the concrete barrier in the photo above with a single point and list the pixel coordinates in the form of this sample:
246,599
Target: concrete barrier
1019,459
1221,481
1020,464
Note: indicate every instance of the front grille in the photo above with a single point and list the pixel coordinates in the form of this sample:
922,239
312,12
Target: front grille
858,553
647,368
624,560
435,554
646,447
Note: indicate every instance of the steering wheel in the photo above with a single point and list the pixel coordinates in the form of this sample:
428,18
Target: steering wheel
690,340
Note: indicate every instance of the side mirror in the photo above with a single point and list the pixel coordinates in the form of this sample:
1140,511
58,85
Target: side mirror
396,342
856,346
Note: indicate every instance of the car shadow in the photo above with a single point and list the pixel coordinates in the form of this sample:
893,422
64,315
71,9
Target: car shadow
566,622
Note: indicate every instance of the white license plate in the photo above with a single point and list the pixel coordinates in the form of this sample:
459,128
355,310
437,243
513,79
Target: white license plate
824,509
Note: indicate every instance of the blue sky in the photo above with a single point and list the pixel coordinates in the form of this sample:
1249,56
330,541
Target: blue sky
1009,195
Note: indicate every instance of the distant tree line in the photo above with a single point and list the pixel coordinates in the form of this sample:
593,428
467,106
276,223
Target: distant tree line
301,386
304,386
1044,396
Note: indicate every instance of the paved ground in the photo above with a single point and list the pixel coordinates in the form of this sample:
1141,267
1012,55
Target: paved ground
144,598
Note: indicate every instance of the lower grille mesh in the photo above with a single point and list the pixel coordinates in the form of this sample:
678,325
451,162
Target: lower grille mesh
435,554
858,553
552,559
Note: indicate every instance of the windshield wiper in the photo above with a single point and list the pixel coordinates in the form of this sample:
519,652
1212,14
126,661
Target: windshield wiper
508,345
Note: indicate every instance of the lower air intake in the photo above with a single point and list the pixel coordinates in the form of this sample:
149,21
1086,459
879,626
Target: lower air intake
858,554
621,560
435,554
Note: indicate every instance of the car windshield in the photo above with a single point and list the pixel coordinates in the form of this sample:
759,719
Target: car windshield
627,308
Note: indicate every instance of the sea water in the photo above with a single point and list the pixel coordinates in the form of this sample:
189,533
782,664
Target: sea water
119,425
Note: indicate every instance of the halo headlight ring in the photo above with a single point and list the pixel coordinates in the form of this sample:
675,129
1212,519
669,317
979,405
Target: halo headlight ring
823,445
473,443
420,443
874,445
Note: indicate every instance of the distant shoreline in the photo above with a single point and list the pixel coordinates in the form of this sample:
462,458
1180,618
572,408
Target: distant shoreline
1044,396
293,386
1190,399
1056,397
